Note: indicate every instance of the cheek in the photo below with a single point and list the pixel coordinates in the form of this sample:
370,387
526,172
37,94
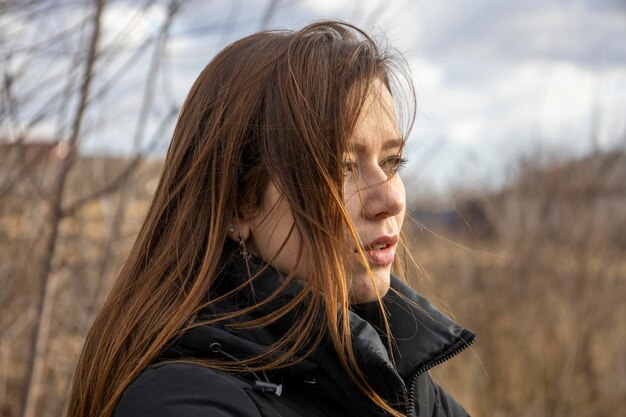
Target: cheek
273,230
352,200
277,243
353,207
399,187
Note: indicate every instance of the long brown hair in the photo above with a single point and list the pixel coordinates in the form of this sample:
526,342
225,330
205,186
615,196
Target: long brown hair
276,105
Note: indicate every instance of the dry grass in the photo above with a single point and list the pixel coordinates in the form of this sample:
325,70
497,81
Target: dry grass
546,294
545,291
551,334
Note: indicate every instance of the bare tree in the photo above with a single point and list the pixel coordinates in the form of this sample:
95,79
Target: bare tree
47,282
27,168
64,229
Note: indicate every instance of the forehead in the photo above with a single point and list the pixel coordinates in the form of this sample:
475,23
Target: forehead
375,143
377,126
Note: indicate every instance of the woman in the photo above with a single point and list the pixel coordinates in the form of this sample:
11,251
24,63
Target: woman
261,281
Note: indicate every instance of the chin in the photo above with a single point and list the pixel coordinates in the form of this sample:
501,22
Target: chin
362,290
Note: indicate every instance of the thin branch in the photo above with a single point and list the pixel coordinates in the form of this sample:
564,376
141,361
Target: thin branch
39,339
153,71
120,180
124,176
270,10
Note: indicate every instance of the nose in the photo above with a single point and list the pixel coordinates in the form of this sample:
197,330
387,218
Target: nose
383,198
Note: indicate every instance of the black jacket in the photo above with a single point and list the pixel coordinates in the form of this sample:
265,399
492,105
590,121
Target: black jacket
316,386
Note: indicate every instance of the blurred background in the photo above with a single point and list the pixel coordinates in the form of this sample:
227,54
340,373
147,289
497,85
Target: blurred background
516,181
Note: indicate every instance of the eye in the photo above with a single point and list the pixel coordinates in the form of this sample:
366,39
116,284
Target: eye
393,164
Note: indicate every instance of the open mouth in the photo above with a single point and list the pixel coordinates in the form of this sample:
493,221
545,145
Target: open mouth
383,242
377,247
380,251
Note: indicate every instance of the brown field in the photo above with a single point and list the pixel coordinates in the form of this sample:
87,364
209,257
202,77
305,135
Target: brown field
539,274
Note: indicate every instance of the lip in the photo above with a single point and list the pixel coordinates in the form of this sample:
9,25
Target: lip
383,256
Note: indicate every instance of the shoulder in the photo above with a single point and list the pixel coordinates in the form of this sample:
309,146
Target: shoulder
185,389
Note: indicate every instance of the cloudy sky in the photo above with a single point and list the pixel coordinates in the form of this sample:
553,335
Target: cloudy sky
495,79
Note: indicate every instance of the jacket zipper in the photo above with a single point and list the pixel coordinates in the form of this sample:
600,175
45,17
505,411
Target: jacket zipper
410,409
401,392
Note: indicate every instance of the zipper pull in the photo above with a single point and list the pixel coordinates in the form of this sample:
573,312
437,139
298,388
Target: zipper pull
268,388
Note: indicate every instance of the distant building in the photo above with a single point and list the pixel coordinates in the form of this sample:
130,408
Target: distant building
31,152
467,217
33,160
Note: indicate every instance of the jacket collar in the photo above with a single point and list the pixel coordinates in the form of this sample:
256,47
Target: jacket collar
421,335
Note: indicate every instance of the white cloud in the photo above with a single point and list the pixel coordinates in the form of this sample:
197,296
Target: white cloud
129,24
552,96
326,6
362,12
537,103
490,75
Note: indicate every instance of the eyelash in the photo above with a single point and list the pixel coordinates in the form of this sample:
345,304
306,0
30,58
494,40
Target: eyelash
398,164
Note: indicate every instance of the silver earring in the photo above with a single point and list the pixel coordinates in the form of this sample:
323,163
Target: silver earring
242,249
245,255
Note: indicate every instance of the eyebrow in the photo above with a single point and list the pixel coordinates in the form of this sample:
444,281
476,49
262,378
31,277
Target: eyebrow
388,144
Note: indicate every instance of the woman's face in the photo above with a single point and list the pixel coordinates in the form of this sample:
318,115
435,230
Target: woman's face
374,198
